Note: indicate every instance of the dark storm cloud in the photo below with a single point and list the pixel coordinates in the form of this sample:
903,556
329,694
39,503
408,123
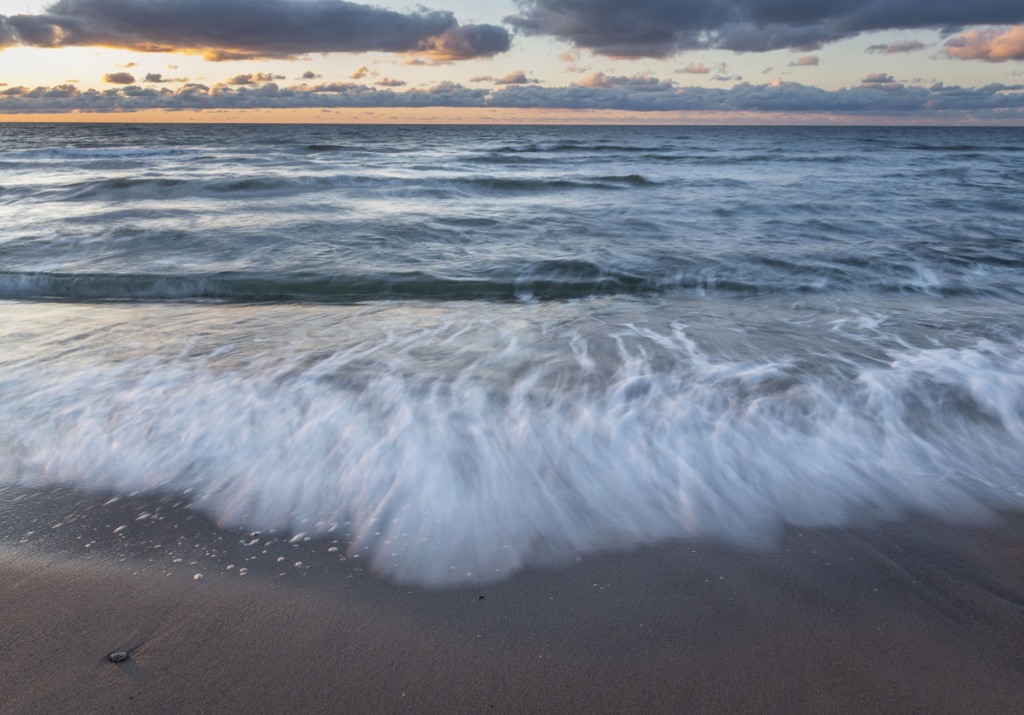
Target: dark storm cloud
242,29
659,28
878,95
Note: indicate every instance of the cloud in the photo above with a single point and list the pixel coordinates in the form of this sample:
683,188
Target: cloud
118,78
248,29
643,81
693,69
517,77
388,82
160,79
127,65
992,45
465,42
482,78
661,28
896,47
767,70
252,78
881,81
360,73
878,95
806,61
309,74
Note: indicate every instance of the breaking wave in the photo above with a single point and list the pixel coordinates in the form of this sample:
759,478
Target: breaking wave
443,479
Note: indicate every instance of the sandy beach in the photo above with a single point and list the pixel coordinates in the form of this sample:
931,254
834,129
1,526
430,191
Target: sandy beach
912,616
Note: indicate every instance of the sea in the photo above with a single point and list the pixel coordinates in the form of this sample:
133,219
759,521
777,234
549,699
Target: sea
477,349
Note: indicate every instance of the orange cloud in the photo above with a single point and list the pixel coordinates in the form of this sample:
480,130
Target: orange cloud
992,45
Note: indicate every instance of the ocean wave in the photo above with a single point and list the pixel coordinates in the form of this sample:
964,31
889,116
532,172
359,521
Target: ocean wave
98,153
124,188
464,478
556,279
543,281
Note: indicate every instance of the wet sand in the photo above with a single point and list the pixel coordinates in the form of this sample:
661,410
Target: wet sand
910,616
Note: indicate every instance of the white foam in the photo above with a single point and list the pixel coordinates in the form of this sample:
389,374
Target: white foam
497,465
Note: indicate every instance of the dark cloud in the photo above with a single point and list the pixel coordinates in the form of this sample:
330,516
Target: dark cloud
882,81
465,42
118,78
660,28
878,95
896,47
245,29
309,74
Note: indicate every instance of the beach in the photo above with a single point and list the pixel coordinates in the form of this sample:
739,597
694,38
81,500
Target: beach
443,419
909,616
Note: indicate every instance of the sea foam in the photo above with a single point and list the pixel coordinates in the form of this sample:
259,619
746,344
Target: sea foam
443,462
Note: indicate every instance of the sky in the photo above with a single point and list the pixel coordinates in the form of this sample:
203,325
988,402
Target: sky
559,61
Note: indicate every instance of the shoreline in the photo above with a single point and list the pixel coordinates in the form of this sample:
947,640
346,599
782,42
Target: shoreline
910,616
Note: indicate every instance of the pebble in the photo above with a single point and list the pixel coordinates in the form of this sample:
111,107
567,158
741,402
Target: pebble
117,657
243,572
197,577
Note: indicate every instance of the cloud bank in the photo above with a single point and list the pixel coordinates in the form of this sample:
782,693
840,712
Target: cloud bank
248,29
660,28
879,94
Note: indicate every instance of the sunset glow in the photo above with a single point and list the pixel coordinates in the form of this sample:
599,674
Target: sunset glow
537,61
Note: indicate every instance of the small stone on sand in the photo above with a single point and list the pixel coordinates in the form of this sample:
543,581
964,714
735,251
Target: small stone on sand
117,657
